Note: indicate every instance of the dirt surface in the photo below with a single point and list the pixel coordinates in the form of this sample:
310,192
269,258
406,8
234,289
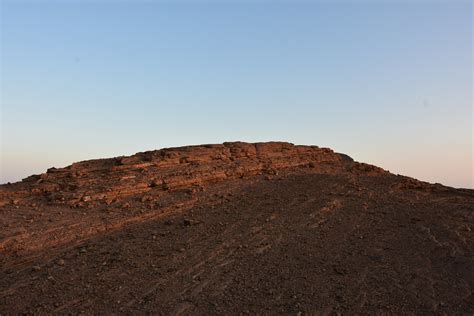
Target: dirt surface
280,230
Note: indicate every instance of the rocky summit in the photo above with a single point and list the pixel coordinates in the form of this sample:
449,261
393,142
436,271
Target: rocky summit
234,228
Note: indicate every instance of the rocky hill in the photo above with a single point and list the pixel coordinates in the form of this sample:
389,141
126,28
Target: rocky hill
270,228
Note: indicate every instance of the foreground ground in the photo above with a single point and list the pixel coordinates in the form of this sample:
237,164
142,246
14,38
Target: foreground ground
296,240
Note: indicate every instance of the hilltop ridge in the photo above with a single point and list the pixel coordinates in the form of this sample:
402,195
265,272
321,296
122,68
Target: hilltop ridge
234,228
171,168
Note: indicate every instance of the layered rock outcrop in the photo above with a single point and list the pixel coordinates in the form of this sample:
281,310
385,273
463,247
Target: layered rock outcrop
93,196
106,180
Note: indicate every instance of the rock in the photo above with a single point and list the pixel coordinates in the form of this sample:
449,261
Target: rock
188,222
95,183
191,191
297,220
191,166
153,184
345,157
146,198
126,205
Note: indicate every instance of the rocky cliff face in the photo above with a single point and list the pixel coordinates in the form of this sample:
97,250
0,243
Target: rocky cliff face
109,180
143,186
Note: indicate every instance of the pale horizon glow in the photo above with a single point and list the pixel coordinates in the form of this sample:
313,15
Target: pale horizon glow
388,83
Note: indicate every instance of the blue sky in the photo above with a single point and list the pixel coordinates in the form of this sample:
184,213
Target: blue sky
387,82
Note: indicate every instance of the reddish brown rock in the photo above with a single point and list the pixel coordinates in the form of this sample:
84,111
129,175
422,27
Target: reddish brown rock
265,228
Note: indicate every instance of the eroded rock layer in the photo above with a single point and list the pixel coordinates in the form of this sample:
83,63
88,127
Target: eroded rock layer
110,179
107,180
146,178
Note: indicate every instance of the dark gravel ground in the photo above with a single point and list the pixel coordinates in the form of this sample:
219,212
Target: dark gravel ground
297,243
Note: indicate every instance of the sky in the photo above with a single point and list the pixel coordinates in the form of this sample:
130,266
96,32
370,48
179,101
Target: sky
386,82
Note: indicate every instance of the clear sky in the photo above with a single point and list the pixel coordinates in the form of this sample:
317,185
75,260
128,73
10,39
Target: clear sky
387,82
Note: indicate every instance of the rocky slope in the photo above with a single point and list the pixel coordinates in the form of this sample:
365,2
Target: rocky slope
234,228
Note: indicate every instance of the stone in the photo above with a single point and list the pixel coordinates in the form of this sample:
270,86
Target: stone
204,164
189,222
126,205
